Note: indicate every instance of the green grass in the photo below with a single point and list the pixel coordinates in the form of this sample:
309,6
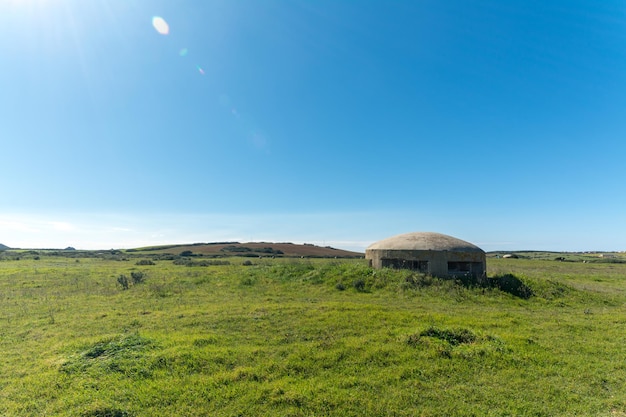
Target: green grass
309,338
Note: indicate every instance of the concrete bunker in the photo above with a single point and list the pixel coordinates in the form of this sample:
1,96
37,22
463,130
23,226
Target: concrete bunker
430,253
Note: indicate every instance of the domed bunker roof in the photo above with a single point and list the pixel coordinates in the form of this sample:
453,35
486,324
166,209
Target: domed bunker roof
421,241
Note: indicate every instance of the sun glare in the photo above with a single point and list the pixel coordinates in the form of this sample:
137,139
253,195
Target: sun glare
160,25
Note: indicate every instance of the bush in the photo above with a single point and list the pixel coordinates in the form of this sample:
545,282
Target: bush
144,262
216,262
137,277
123,281
511,284
359,285
232,248
270,250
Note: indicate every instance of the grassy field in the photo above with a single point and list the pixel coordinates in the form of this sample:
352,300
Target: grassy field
288,337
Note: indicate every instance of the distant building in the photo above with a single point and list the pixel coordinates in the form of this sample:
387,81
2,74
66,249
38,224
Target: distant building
431,253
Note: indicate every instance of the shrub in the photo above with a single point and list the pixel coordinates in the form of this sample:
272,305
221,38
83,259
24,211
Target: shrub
207,263
232,248
359,285
511,284
123,281
145,262
270,250
137,277
189,262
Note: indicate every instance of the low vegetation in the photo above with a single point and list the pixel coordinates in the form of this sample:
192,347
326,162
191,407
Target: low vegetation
299,337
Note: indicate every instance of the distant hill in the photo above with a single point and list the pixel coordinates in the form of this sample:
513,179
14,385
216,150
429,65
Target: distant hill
251,249
4,247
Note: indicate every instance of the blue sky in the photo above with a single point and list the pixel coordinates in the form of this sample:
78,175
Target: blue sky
329,122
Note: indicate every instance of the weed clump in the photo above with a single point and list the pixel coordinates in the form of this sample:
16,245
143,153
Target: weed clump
414,281
247,281
205,341
453,337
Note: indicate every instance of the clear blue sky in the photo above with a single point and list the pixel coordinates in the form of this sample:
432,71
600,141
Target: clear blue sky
330,122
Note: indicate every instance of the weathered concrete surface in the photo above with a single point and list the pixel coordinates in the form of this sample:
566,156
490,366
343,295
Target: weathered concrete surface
433,253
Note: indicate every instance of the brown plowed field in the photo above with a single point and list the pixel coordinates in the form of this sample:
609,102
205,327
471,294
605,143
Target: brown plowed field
253,248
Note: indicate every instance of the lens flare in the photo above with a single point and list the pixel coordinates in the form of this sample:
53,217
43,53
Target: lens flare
200,70
160,25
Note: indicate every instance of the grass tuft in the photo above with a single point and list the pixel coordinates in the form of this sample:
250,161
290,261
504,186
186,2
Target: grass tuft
123,354
454,337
